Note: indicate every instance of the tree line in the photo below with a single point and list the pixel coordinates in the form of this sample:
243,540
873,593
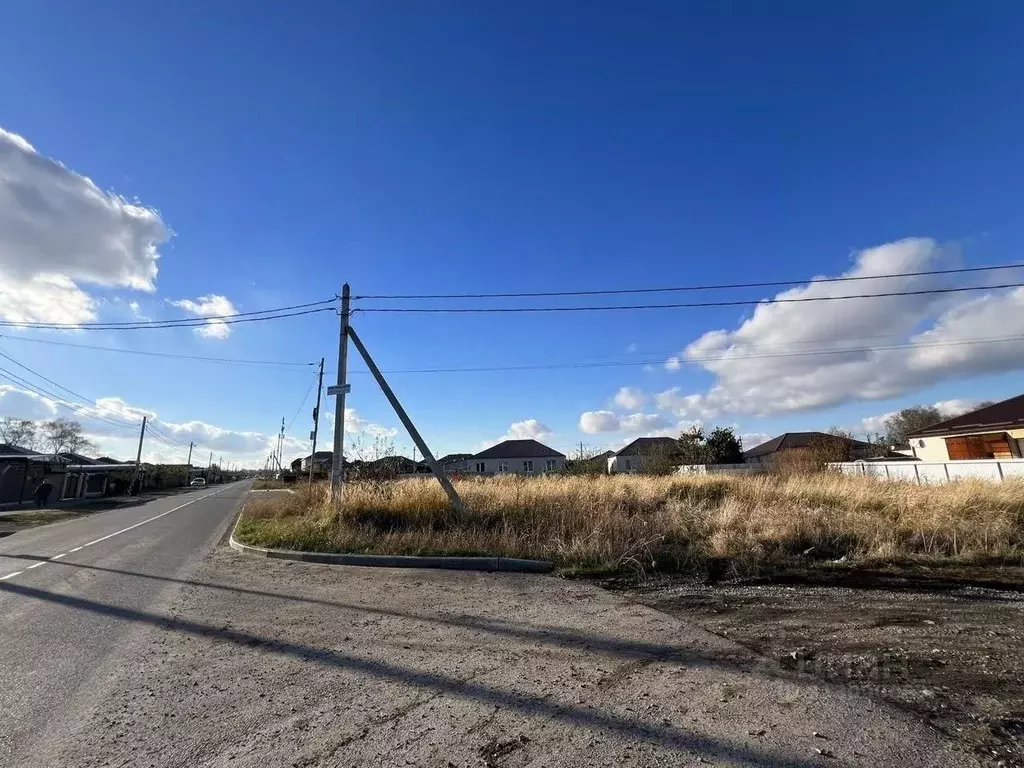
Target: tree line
60,435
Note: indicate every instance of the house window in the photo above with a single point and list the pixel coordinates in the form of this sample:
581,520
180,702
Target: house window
481,466
527,466
503,466
550,465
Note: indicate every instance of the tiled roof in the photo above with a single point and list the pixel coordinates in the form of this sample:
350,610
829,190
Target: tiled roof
646,446
789,440
519,449
1009,414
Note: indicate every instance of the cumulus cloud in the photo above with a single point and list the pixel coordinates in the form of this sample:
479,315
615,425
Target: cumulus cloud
212,306
21,404
631,398
530,429
753,439
58,230
356,423
595,422
748,381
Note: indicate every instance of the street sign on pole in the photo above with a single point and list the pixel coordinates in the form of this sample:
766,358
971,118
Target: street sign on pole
339,389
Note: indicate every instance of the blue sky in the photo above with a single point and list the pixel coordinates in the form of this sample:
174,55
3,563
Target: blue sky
412,147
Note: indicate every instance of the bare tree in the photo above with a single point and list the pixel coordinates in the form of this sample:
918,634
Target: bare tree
19,432
63,435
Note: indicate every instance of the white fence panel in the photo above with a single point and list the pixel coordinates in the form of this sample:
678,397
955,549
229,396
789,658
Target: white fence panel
935,471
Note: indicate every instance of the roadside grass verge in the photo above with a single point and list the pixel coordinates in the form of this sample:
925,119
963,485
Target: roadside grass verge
264,484
616,524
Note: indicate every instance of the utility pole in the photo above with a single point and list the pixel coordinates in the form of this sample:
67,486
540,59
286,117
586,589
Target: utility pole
138,456
338,462
280,447
188,464
316,422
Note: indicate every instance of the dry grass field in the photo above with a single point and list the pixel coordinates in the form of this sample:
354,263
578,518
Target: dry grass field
609,524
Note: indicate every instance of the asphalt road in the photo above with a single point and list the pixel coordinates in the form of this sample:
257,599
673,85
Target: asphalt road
54,656
153,646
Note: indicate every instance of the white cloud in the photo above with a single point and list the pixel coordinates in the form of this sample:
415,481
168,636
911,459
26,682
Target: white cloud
530,429
631,398
356,423
595,422
631,348
673,364
212,305
748,381
753,439
59,230
21,404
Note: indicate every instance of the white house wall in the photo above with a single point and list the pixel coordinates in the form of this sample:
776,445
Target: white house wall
515,466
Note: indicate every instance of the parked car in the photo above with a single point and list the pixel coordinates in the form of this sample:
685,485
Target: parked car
198,482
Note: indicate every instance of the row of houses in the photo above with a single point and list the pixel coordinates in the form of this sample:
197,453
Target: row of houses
74,476
993,432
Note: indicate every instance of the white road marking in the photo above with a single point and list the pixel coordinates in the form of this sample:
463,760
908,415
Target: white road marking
110,535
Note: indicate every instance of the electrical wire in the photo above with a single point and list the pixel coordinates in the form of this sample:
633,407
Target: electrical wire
683,305
303,403
197,322
168,355
117,418
676,289
682,360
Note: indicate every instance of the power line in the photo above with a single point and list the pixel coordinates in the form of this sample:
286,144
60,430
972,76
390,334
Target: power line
676,289
172,356
117,420
683,305
197,322
302,404
660,361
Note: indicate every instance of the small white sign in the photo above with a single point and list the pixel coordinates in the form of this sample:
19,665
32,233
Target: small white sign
338,389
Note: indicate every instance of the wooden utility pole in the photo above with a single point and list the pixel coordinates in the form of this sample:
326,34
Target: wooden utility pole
442,478
316,422
138,456
188,464
339,391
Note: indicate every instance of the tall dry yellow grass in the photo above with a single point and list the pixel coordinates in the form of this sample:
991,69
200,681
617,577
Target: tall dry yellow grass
609,523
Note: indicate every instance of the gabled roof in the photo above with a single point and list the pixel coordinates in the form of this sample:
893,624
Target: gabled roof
107,460
1009,414
649,446
789,440
77,458
519,449
10,450
453,458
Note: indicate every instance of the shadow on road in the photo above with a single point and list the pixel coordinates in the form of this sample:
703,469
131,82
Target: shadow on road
664,735
552,635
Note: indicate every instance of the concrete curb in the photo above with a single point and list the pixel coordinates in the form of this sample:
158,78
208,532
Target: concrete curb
394,561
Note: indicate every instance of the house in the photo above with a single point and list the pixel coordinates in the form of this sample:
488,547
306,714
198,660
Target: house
455,463
321,461
389,467
993,432
765,453
296,465
517,457
643,454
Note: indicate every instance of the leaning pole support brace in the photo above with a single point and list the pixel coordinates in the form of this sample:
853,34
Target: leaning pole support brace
442,478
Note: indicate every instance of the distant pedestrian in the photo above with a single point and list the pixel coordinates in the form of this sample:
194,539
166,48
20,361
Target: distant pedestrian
42,493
